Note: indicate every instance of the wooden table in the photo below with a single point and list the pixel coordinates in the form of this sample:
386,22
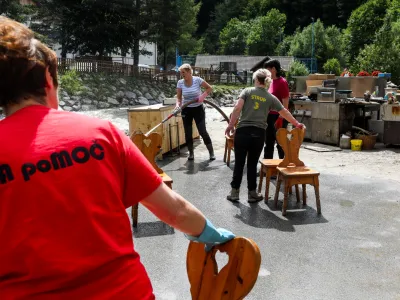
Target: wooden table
144,118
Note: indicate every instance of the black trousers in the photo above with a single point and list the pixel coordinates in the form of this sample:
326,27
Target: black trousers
199,116
249,142
270,138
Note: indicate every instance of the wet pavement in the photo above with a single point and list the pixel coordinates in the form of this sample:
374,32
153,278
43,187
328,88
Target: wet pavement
351,251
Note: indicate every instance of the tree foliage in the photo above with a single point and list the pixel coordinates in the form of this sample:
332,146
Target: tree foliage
271,27
233,37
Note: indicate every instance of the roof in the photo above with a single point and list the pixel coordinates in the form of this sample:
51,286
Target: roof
244,62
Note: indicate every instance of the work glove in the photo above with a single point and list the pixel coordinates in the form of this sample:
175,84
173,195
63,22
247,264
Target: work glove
212,236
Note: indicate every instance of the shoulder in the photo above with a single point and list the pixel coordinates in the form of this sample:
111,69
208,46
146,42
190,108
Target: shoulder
198,79
282,80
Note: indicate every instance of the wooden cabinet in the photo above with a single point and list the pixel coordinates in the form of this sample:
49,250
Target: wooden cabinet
144,118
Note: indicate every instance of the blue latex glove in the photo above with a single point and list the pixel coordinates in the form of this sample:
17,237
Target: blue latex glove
212,236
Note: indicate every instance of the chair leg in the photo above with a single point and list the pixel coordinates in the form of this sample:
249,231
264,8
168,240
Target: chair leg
304,188
316,188
267,183
226,150
229,157
261,179
291,190
297,193
285,198
135,210
278,188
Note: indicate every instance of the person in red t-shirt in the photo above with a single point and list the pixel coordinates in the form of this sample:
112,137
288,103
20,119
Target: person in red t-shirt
280,89
66,181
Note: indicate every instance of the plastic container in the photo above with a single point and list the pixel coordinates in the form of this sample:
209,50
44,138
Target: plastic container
356,145
345,142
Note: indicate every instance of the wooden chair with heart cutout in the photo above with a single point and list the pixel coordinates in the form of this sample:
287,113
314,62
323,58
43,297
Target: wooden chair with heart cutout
292,171
150,147
234,281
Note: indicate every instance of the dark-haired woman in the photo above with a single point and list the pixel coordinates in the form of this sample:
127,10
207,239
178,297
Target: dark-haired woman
252,110
66,181
280,89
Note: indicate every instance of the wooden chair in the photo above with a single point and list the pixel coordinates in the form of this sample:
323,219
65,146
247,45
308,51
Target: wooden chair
269,168
292,171
229,145
234,281
150,147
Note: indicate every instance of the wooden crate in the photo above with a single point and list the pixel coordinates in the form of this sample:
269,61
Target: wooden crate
145,118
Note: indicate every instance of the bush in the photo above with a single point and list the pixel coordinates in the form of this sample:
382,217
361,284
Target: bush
332,66
297,69
70,82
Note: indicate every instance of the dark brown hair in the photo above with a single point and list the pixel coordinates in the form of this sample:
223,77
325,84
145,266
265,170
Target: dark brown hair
23,64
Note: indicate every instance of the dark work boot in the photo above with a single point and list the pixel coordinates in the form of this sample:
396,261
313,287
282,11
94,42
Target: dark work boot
211,151
254,197
191,152
234,195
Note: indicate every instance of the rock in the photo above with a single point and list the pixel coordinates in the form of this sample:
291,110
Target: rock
64,93
113,88
104,105
76,98
112,101
61,103
120,95
132,102
66,98
145,89
148,96
125,102
76,107
86,101
143,101
88,107
139,93
152,102
123,81
71,102
130,95
67,108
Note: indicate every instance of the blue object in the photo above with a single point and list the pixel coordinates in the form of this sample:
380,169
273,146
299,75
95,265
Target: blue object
384,75
212,236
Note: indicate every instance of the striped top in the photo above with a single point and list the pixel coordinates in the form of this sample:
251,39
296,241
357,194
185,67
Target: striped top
192,92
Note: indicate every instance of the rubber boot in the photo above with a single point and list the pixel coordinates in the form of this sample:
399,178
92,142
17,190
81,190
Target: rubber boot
211,151
234,195
255,197
191,152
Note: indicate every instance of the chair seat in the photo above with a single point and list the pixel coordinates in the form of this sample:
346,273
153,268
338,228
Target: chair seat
270,162
298,171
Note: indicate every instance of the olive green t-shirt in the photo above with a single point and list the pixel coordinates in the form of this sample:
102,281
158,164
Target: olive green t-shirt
257,104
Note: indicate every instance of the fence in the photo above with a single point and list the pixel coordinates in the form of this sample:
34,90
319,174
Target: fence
86,65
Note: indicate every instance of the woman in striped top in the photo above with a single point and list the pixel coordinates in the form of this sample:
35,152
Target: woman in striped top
189,88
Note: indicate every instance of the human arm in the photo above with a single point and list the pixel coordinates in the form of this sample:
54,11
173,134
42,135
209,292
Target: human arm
178,97
289,117
234,117
208,90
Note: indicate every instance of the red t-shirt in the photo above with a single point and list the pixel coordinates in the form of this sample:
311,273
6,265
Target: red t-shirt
280,89
65,182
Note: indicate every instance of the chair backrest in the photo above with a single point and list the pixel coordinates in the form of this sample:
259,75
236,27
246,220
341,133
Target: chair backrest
290,141
150,147
234,281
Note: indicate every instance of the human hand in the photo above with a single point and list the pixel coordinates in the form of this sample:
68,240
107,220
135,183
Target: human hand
230,131
202,97
300,125
212,236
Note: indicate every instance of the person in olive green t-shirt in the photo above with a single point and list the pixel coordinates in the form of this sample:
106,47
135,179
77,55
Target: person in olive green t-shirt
252,109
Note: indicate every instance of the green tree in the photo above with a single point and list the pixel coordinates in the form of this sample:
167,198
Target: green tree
224,12
363,24
328,43
266,33
332,66
14,10
233,37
